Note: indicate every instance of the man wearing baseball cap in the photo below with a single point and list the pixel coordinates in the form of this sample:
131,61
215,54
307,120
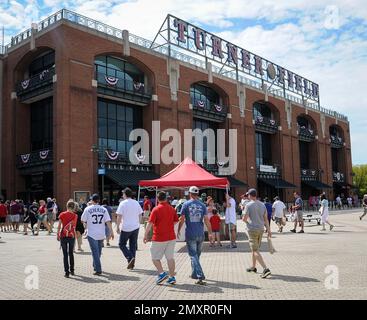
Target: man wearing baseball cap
194,214
256,217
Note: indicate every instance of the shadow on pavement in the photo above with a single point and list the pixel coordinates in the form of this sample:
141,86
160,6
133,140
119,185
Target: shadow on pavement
144,271
104,278
241,247
288,278
211,286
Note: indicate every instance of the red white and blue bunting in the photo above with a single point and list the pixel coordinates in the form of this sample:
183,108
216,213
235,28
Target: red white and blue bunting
25,84
218,107
140,157
221,164
43,74
259,119
272,122
112,81
200,103
112,155
310,131
43,154
138,86
25,157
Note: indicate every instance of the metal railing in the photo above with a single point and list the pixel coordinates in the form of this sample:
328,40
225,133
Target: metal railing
336,141
123,84
36,81
34,158
79,19
306,133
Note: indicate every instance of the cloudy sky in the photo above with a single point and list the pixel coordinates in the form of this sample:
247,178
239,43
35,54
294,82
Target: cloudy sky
326,43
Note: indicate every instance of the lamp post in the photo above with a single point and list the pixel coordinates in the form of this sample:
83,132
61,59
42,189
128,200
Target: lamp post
95,149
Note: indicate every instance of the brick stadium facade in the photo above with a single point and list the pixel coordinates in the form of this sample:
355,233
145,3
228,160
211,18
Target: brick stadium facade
60,100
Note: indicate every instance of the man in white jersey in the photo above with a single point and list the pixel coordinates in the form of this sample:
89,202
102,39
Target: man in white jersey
128,213
94,218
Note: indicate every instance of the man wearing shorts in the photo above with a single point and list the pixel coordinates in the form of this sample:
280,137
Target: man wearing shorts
163,219
3,214
256,217
231,219
298,204
15,215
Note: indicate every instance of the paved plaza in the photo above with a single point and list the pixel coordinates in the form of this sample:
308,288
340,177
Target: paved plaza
298,268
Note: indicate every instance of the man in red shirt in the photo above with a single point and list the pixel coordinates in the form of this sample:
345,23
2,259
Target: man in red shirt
163,219
147,207
3,214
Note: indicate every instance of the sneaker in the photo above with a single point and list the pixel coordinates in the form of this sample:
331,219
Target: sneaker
360,218
97,273
161,277
201,282
251,270
265,273
108,244
293,230
171,280
323,229
233,246
72,273
66,275
331,227
301,231
131,264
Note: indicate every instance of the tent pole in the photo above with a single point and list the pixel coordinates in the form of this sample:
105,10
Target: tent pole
156,194
229,224
139,194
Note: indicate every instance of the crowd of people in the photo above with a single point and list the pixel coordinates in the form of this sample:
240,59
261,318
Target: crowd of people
165,219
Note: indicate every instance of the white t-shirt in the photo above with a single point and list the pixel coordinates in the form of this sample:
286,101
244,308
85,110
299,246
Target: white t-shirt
130,210
231,216
278,207
96,216
174,202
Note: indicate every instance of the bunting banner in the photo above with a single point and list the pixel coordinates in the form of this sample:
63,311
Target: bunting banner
112,81
200,103
43,73
259,119
25,84
313,172
138,86
221,164
304,172
218,107
25,157
140,157
44,154
332,138
112,155
272,122
310,131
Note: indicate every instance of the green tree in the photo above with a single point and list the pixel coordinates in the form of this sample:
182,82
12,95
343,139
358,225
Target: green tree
360,178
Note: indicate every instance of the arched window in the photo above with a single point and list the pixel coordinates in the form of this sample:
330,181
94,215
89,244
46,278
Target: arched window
304,123
203,96
128,76
262,110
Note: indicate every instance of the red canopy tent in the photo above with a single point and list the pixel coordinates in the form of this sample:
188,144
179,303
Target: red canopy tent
187,173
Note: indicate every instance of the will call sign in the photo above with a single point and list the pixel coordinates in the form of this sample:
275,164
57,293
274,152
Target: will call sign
201,42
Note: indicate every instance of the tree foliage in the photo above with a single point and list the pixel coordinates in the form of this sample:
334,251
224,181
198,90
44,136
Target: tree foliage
360,178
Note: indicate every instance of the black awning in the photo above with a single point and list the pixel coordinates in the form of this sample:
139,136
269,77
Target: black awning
129,178
278,183
342,185
234,182
317,184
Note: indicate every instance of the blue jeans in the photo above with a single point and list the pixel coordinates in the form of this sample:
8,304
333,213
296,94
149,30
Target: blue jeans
96,248
67,245
132,236
194,247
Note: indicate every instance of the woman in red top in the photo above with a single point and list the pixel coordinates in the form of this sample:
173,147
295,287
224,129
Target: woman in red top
215,223
66,236
42,218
